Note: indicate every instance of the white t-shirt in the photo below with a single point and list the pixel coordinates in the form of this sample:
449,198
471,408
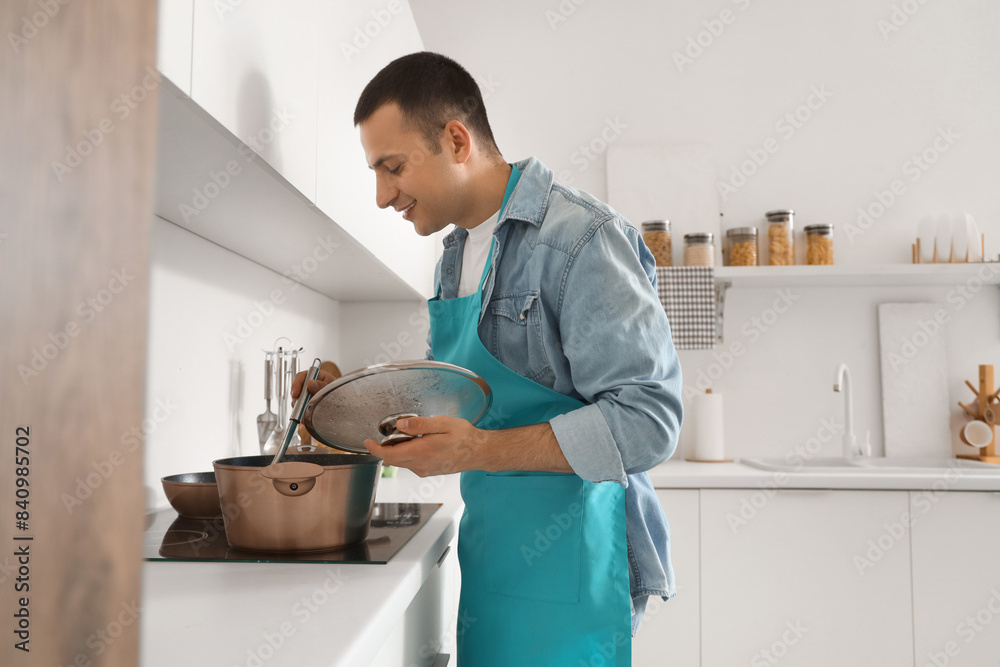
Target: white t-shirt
474,255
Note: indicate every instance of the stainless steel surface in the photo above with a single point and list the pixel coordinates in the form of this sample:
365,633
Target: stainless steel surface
391,435
300,406
267,420
349,410
269,515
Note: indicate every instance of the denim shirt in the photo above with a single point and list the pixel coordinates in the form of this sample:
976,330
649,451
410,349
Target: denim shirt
571,303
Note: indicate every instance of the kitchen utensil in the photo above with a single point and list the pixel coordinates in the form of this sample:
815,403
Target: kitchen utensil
267,420
299,408
925,235
194,495
942,239
349,410
305,439
305,503
959,239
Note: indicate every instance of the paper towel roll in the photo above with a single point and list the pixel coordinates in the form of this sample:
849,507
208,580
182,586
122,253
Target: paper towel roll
708,444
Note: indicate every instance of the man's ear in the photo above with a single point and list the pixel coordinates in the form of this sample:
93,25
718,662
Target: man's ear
456,141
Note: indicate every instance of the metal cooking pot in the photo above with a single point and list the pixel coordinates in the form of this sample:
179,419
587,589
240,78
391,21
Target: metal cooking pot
313,502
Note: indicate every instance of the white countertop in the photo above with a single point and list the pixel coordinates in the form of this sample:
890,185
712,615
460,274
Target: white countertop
682,474
222,614
213,613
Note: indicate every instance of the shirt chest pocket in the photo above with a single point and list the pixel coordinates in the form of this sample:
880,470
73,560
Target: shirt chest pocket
514,335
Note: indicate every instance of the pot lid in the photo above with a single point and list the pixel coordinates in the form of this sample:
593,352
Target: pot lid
351,409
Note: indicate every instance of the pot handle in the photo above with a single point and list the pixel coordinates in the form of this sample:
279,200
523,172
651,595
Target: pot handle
292,478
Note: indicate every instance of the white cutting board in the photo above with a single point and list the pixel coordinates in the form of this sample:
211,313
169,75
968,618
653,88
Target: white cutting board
672,181
914,362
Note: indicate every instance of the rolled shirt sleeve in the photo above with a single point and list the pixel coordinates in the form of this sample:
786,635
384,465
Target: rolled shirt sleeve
616,338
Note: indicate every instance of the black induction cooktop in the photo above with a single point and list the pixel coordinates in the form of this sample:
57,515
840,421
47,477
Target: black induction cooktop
174,538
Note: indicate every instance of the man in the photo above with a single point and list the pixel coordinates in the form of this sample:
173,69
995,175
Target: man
549,295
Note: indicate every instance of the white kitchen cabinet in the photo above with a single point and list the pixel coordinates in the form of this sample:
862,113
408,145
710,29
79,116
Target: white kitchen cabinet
805,577
363,38
669,633
427,629
956,579
254,68
174,32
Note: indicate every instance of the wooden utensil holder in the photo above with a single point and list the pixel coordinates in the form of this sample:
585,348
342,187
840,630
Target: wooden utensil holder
987,410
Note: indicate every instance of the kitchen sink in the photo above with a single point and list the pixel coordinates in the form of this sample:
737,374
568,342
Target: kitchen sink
835,465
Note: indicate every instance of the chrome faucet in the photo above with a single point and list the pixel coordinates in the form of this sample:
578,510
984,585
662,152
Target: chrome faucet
842,383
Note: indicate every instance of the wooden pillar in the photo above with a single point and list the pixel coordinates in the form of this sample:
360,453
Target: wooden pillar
78,105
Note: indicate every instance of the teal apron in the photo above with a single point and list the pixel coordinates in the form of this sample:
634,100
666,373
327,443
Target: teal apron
543,555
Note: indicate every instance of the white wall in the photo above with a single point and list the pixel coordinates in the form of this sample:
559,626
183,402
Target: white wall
555,73
206,340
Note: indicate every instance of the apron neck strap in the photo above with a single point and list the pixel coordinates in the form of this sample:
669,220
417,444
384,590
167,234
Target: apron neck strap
515,176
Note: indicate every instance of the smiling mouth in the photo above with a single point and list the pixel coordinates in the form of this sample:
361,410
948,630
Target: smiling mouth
406,211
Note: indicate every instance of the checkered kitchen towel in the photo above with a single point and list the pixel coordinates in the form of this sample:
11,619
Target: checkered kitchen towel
688,295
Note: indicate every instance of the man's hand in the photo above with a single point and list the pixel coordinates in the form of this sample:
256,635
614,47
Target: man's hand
449,445
321,381
446,445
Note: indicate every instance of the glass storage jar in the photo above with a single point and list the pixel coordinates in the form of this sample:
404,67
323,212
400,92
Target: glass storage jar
780,238
656,236
820,248
699,249
740,248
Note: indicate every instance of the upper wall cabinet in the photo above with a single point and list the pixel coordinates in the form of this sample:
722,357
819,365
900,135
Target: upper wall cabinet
361,38
254,70
173,43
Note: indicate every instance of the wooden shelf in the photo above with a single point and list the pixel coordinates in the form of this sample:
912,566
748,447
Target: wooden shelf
255,212
858,276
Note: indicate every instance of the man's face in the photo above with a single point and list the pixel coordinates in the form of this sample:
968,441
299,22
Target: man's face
422,185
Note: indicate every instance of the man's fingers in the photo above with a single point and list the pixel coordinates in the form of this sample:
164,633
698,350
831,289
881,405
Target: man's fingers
321,381
424,425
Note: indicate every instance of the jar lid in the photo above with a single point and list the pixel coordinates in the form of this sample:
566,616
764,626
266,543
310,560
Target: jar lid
781,214
699,238
656,226
819,229
742,231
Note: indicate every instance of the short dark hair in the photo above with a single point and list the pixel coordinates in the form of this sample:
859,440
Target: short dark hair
431,90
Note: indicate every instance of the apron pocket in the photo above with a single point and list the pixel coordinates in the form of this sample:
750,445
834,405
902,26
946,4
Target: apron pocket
534,535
